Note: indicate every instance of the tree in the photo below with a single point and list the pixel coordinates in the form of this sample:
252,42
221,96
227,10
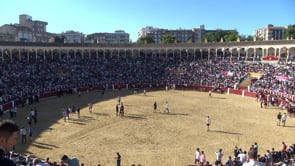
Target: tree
168,39
59,39
248,38
145,39
230,37
215,36
210,36
290,32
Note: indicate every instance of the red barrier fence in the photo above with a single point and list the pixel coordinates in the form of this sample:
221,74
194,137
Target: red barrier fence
241,92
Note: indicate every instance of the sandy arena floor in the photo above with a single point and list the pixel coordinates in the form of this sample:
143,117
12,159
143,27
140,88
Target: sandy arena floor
148,138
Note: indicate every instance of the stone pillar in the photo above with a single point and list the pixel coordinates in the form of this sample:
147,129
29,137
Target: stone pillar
288,52
216,50
201,53
186,54
194,54
254,52
51,52
208,53
28,55
246,51
36,54
82,53
166,54
223,51
231,53
44,56
68,53
19,54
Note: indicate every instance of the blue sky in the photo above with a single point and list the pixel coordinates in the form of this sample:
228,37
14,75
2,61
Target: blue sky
91,16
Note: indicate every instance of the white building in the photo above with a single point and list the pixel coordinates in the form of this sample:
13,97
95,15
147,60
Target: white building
15,32
73,37
270,32
119,36
181,35
146,30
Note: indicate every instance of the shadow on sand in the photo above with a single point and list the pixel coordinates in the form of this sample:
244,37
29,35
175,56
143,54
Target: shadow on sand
173,113
225,132
134,116
101,114
43,145
289,126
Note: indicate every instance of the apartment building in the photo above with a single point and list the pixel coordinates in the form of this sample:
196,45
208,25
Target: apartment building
15,32
270,32
38,27
118,36
181,35
73,37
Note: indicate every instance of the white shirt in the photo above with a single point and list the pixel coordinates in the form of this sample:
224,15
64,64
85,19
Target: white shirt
253,163
23,131
242,157
284,117
219,156
166,106
197,154
208,121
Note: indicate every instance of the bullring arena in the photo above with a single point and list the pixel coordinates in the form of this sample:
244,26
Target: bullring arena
142,136
148,138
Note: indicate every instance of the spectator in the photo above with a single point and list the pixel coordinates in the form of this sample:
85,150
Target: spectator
202,159
279,117
236,151
197,156
229,162
208,122
8,136
219,155
118,158
252,159
242,156
23,133
284,118
70,161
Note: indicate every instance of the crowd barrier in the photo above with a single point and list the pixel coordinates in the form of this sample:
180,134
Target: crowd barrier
242,92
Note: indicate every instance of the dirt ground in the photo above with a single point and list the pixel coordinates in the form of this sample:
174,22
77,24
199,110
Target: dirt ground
148,138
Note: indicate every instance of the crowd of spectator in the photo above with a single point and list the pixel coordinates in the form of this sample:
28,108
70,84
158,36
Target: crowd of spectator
26,79
240,157
271,157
